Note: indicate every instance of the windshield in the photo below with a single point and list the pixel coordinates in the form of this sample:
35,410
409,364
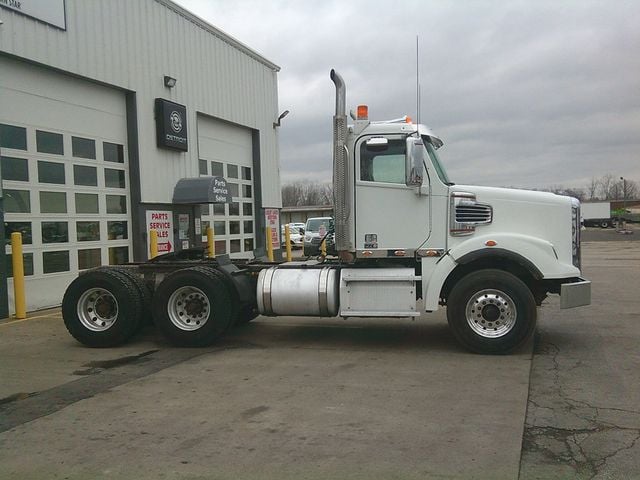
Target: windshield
442,173
313,224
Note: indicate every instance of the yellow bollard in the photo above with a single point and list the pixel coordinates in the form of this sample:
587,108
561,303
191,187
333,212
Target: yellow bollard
153,239
287,239
269,244
18,275
211,246
323,248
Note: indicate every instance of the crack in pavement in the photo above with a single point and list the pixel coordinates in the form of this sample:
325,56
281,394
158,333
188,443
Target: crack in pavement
586,448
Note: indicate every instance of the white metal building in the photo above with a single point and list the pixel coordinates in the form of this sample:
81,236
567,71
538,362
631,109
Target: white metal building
90,159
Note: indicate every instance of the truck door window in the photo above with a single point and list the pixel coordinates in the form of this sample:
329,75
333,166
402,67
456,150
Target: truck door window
383,166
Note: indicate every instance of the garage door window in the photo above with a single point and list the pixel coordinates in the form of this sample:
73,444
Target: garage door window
114,178
51,172
112,152
83,175
55,232
53,262
16,201
116,204
49,142
216,169
83,147
86,203
88,231
118,255
18,227
13,137
27,259
53,202
89,258
16,169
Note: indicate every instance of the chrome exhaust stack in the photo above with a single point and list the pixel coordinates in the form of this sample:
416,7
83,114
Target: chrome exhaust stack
342,184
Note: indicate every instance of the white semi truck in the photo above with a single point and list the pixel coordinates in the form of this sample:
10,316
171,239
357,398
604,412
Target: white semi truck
408,240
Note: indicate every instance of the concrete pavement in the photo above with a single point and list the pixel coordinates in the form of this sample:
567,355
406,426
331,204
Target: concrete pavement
313,398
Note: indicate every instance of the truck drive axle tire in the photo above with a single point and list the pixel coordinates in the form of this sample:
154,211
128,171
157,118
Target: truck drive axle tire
193,307
102,308
491,312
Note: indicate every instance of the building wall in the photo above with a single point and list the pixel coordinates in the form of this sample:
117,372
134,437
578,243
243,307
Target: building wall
98,81
132,45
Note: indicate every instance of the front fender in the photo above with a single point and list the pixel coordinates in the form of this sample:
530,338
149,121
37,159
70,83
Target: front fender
535,254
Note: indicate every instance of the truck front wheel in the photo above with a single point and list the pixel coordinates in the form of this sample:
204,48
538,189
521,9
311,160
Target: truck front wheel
491,311
193,307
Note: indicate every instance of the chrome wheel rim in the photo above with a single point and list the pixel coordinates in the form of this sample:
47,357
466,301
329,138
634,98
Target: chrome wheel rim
491,313
97,309
188,308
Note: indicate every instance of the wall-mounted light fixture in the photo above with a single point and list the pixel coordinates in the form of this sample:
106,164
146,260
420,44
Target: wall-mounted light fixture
169,82
282,115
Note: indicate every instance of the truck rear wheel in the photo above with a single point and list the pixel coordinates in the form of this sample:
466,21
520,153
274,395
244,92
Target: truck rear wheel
193,307
102,308
491,311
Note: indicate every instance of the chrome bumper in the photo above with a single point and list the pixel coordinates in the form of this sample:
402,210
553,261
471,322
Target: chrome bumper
575,294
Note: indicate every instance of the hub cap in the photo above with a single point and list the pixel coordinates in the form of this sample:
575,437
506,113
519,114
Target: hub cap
188,308
97,309
491,313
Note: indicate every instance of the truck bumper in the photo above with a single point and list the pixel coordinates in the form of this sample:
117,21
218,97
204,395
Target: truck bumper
575,294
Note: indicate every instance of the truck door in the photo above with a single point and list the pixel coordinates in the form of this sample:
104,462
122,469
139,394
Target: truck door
389,215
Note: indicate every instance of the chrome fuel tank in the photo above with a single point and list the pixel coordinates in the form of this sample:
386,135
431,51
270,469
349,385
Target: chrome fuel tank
299,291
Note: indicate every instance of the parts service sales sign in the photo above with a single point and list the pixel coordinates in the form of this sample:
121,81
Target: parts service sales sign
162,222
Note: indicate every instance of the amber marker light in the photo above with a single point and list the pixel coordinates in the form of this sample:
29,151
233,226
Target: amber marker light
363,112
408,119
490,243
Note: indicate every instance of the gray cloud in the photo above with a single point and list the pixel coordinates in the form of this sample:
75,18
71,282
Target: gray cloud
523,93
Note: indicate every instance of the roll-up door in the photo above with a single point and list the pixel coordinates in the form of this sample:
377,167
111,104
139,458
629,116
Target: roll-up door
225,150
65,176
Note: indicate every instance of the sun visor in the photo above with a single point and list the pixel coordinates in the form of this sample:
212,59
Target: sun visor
201,190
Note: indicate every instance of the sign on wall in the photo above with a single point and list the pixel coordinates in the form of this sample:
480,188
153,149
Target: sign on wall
47,11
162,222
171,125
272,219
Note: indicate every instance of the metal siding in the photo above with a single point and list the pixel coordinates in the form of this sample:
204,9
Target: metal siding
131,45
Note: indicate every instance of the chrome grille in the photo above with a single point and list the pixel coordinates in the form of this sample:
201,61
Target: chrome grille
467,213
470,212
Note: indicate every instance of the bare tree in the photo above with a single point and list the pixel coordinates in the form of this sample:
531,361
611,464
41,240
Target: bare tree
608,187
592,189
299,194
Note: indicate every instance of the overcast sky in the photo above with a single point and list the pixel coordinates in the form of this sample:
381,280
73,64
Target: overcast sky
523,93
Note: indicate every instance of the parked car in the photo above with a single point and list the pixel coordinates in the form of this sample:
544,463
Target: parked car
296,235
316,229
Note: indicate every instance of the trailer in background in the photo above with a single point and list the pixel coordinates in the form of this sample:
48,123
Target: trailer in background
597,214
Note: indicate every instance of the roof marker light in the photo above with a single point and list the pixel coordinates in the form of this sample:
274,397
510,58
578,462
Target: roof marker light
363,112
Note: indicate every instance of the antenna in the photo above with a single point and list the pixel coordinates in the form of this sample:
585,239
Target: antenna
417,80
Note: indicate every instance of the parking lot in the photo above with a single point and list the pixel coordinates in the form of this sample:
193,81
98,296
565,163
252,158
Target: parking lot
356,399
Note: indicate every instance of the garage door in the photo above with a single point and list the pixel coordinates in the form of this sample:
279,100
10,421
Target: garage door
65,176
225,150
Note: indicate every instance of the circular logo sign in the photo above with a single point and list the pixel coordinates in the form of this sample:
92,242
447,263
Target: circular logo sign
176,121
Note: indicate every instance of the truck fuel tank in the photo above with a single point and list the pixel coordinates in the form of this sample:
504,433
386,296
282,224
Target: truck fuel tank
310,292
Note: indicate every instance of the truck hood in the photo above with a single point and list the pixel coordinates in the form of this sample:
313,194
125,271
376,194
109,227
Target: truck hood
541,215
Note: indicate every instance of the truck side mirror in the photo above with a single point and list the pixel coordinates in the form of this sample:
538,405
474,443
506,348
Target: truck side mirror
414,162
